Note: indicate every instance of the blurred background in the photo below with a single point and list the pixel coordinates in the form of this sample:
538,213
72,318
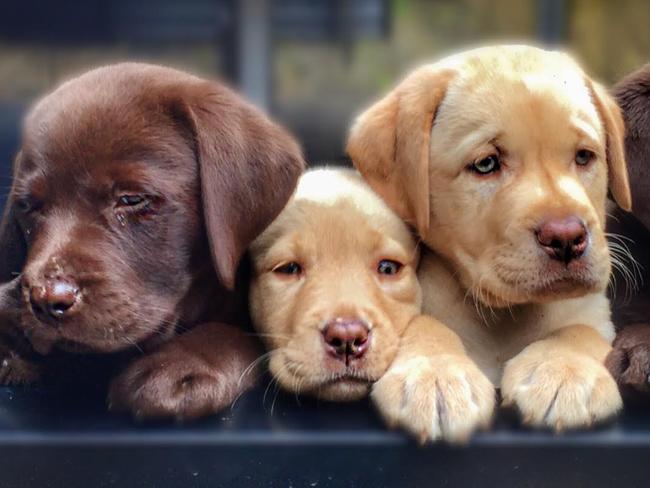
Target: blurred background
311,63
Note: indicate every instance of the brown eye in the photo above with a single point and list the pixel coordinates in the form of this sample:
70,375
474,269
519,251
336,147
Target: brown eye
131,200
291,268
389,267
485,166
27,205
584,157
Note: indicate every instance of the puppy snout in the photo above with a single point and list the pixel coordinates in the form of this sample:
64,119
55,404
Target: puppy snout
563,239
346,339
54,298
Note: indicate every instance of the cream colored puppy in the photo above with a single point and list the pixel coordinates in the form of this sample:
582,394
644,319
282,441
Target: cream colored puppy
334,285
500,157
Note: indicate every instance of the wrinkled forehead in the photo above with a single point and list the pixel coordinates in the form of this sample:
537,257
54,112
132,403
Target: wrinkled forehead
76,135
81,141
340,227
530,102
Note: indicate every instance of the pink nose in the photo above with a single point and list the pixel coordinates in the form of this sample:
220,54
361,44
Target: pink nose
346,339
563,239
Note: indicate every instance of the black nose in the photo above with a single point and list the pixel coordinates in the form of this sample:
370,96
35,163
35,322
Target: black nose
563,239
54,299
346,339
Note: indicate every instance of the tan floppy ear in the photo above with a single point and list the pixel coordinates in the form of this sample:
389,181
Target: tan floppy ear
389,143
249,168
614,126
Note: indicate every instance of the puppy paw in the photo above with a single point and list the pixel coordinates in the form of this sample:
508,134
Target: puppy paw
559,390
163,384
629,360
16,370
441,397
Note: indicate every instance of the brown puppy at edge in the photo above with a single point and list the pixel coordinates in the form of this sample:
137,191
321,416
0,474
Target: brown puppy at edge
136,191
500,158
629,362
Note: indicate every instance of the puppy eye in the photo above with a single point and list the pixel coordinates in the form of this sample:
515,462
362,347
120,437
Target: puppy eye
584,157
389,267
131,200
485,166
291,268
27,205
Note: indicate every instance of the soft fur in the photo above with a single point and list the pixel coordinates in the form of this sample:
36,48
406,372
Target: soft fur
212,172
629,362
536,327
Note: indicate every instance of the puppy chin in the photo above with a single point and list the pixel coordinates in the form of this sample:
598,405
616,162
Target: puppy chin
343,390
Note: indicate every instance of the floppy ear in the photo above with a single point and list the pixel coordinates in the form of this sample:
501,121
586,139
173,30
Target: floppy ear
633,96
249,168
389,143
13,248
614,126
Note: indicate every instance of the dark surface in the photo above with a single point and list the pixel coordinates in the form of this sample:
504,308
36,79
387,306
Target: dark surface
54,439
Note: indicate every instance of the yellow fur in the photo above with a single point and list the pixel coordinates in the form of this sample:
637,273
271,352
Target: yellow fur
542,328
338,230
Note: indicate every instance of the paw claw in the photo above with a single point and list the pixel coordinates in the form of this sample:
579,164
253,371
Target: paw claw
441,397
560,391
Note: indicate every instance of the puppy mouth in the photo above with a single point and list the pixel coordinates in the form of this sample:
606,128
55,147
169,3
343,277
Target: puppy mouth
541,283
73,335
347,384
566,285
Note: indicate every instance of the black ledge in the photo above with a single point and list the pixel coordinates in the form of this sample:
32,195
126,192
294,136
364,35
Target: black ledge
53,439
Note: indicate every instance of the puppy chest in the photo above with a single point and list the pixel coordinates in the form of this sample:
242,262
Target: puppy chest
493,340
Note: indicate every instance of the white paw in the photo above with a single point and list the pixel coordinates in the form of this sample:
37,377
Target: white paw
559,390
440,397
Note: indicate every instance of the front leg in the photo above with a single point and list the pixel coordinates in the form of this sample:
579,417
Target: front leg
433,389
18,365
198,373
561,381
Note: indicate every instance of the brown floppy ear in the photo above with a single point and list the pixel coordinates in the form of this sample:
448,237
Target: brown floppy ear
633,96
614,127
13,247
249,168
389,143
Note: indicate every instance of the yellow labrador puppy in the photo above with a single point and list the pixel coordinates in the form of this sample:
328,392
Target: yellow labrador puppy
334,285
500,157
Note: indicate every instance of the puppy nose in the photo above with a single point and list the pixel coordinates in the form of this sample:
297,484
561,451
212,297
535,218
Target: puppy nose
346,339
563,239
54,299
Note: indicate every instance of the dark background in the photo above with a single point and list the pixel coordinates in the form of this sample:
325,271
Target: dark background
311,63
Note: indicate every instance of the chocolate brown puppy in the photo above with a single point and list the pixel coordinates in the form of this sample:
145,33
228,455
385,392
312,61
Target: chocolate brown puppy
629,362
136,191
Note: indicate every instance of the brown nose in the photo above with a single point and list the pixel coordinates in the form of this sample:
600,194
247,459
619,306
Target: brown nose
54,299
346,339
563,239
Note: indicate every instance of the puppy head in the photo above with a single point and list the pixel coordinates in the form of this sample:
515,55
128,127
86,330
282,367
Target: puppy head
121,174
501,157
633,96
333,286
